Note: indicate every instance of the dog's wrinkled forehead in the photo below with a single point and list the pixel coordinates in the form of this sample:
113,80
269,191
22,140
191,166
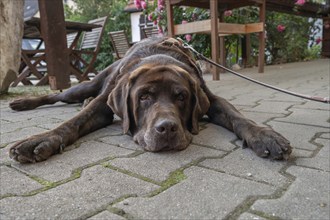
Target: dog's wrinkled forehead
152,72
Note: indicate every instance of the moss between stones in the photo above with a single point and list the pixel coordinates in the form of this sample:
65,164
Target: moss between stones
174,178
108,165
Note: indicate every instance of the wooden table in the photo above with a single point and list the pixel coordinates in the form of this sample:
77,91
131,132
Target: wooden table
32,30
216,26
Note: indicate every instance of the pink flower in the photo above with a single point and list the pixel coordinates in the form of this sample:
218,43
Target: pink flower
137,4
143,4
228,13
184,22
155,22
188,37
300,2
161,3
160,31
150,16
318,40
280,28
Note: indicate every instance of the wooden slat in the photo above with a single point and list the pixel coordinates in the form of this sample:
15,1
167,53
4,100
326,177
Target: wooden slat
224,28
119,43
193,27
254,28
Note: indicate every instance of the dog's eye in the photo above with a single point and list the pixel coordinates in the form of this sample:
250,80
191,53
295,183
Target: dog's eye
144,97
181,97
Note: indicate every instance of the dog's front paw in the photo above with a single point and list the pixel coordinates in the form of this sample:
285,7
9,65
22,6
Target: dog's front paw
36,148
265,142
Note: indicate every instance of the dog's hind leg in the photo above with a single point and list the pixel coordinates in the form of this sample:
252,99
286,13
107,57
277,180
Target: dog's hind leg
264,141
75,94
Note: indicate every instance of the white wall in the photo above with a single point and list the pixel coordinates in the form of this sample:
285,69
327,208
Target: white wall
135,19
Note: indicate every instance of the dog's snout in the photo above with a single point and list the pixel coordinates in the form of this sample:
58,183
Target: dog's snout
164,127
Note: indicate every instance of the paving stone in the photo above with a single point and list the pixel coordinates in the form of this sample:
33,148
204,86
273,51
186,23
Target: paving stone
297,153
124,141
158,166
94,190
245,99
295,132
221,194
244,163
106,215
14,182
325,135
249,216
60,166
301,116
110,130
46,111
321,160
66,116
272,107
4,155
279,96
20,134
260,117
313,105
306,198
215,136
4,104
38,121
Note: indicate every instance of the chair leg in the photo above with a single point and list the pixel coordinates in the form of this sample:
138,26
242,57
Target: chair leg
22,77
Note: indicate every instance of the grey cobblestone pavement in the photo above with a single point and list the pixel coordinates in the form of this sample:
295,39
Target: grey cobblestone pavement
105,175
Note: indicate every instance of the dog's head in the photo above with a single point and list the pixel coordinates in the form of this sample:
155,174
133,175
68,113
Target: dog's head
160,105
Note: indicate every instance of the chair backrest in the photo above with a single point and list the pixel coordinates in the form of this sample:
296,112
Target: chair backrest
119,42
92,39
150,31
70,38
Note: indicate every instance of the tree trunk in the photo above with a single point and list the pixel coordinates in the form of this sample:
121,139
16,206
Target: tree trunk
11,32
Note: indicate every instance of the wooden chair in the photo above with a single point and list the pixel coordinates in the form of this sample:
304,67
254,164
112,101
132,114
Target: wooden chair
120,43
33,62
88,50
149,31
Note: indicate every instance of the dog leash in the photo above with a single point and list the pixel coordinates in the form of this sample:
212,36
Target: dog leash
202,57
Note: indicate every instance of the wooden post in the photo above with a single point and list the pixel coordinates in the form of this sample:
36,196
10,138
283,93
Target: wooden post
54,35
11,32
214,36
170,19
222,46
326,37
246,50
261,58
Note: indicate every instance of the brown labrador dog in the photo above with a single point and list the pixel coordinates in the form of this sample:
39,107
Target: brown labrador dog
158,91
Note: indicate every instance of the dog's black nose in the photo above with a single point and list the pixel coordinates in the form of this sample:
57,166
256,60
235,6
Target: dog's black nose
166,127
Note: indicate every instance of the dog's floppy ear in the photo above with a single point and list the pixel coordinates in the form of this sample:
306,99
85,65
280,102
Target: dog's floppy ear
200,105
118,101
